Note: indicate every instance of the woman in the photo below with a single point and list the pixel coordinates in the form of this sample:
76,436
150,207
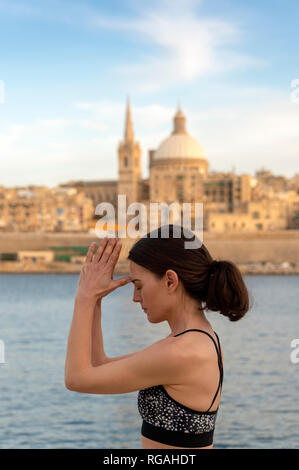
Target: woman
179,378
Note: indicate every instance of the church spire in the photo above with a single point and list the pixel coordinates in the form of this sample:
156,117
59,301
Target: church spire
129,133
179,122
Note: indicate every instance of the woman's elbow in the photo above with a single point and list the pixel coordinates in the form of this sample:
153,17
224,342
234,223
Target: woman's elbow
71,384
68,385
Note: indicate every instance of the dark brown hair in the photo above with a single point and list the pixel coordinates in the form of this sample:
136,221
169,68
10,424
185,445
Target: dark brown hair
217,285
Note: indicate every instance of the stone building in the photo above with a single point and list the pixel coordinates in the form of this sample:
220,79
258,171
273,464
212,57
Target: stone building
129,163
227,192
178,173
41,209
265,215
178,167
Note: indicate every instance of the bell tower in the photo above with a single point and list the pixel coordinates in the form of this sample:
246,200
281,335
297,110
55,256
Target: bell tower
129,162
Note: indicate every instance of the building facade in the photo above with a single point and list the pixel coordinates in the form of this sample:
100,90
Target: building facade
41,209
178,173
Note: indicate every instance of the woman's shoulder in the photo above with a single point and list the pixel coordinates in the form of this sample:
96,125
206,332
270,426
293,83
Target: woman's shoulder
191,345
177,347
195,344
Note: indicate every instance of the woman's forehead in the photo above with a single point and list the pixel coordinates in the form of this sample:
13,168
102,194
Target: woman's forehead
136,270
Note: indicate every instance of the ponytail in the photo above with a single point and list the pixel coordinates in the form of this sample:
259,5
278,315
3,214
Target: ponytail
226,292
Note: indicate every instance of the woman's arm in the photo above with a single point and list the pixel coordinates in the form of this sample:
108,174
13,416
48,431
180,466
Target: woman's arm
95,282
78,356
98,355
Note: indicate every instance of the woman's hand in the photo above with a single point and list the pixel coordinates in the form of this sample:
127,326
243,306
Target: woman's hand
96,277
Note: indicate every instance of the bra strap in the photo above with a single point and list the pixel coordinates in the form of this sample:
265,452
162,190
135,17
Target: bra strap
220,365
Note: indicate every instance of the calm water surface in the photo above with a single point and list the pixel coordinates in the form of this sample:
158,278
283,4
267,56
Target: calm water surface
259,407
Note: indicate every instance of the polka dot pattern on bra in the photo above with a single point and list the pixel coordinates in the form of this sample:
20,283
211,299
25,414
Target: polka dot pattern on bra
158,409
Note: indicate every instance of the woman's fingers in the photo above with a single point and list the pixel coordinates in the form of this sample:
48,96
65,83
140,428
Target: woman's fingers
98,254
121,282
114,256
108,251
88,258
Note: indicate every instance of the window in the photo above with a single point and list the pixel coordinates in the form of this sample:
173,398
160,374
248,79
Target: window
255,215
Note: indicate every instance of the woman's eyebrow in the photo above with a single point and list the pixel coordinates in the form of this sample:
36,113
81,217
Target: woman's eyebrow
133,280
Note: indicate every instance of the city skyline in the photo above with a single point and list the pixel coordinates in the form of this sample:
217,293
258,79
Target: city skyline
68,72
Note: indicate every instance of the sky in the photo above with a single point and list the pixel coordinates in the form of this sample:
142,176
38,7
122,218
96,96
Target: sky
68,67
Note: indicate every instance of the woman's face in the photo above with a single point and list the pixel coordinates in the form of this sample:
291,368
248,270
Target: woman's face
151,292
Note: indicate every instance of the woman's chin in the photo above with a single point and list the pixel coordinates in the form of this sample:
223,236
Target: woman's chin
151,320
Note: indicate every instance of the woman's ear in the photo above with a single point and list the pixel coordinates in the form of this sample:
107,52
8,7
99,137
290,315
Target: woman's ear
172,279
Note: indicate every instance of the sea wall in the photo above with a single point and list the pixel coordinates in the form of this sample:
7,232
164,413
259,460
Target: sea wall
245,249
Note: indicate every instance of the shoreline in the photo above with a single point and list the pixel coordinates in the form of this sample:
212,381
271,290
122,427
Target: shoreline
264,253
245,270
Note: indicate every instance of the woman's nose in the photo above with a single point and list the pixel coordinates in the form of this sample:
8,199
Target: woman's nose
136,298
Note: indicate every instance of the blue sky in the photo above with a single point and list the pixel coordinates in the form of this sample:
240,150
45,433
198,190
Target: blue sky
68,67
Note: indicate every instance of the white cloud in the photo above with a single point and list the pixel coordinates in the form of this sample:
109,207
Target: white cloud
17,133
93,125
263,132
104,111
185,45
42,153
248,134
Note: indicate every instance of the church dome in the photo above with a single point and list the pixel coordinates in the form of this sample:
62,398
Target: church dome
180,144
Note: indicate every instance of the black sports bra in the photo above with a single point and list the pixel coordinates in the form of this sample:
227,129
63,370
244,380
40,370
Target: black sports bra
167,421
